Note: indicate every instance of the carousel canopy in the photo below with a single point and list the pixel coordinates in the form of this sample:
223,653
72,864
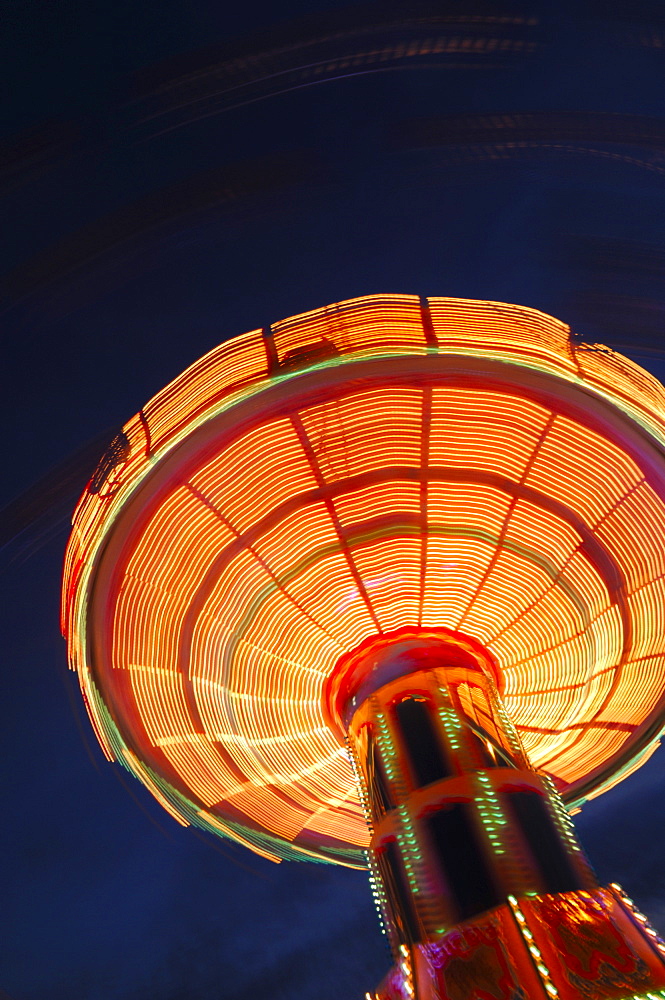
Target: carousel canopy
380,463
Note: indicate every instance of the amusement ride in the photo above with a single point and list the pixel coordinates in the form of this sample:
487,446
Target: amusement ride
383,585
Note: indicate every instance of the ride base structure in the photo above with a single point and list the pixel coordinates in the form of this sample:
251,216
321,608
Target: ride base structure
481,884
383,585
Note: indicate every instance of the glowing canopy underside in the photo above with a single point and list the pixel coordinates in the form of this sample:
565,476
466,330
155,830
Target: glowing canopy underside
382,462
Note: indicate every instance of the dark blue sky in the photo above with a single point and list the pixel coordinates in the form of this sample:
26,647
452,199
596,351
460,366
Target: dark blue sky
173,174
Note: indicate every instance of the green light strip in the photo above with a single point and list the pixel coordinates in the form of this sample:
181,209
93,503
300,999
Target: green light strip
409,847
491,813
452,727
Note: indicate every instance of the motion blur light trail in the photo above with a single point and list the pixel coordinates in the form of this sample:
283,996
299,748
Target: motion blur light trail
380,463
320,48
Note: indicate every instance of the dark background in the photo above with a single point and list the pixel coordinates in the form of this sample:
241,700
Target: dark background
173,174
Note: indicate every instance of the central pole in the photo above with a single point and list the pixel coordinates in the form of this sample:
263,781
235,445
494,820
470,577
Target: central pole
478,876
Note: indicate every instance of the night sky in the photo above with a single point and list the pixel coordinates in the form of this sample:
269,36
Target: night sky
173,174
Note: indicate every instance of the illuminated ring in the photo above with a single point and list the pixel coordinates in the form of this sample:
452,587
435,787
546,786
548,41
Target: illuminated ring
111,687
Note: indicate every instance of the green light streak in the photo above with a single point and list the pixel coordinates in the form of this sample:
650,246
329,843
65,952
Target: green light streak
491,813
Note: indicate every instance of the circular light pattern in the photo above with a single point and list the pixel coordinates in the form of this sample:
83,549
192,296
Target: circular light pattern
381,463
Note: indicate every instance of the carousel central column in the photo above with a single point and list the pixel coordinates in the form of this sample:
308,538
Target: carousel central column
472,855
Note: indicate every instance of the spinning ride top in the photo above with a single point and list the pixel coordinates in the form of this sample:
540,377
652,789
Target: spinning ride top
383,585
